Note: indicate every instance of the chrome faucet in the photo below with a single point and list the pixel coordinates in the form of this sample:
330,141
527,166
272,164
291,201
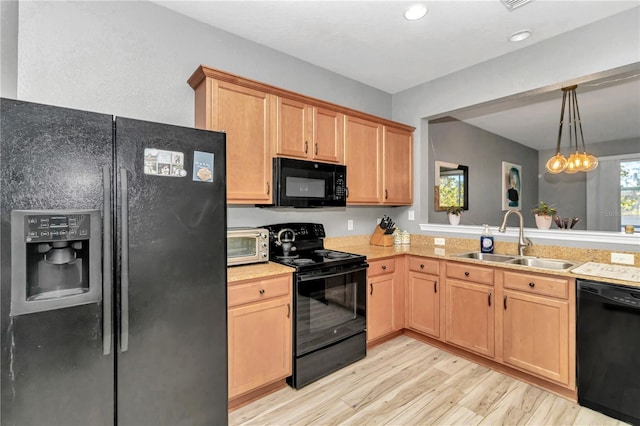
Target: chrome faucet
522,241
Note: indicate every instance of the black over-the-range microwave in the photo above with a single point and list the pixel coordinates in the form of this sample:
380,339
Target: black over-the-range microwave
302,184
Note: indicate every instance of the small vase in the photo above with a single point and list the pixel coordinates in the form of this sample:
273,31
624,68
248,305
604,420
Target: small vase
454,219
543,222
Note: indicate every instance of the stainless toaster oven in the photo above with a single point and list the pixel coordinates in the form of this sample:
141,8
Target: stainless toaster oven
247,245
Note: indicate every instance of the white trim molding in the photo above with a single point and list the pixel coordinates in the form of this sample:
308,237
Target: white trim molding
568,235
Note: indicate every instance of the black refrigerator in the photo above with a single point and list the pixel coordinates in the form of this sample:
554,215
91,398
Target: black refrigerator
113,270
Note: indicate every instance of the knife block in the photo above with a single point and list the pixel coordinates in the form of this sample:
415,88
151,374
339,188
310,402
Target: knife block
380,239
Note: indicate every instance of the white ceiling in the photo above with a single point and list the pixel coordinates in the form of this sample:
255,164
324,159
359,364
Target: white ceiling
371,42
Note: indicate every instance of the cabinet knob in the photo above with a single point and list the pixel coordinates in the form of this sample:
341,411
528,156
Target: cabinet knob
262,291
435,286
371,288
316,152
532,284
466,274
422,266
268,188
306,147
386,194
384,267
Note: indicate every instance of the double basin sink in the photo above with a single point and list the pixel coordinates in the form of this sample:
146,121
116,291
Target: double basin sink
534,262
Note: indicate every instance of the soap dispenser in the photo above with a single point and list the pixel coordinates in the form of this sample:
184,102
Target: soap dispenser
486,240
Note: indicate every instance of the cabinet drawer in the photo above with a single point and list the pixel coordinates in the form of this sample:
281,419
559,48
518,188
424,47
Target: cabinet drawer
536,284
253,291
379,267
421,264
467,272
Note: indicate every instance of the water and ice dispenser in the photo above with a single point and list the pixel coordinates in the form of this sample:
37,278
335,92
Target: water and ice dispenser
55,259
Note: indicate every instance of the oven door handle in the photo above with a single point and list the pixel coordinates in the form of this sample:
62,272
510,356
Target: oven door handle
310,277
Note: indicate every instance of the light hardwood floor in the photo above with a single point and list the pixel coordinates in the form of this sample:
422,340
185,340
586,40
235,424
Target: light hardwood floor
407,382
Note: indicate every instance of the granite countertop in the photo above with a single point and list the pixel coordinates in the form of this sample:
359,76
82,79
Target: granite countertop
256,270
239,273
377,252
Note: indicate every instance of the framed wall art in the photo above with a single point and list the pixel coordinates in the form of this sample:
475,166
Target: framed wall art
511,186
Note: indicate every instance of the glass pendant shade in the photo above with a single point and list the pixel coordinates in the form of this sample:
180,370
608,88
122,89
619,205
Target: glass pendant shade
577,162
556,164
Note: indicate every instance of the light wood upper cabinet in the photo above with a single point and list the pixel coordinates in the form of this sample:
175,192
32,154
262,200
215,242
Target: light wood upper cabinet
328,135
397,159
263,121
363,157
379,163
309,133
245,115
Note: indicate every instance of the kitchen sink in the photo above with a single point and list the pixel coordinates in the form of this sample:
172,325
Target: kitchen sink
534,262
489,257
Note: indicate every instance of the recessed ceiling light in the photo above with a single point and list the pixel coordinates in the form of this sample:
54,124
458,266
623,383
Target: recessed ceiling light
520,35
415,12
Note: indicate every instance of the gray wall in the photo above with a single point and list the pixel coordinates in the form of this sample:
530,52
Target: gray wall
483,152
133,59
601,46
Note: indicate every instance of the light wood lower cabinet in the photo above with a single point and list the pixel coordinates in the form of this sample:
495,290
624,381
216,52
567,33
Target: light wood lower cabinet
536,325
260,339
423,296
385,298
470,316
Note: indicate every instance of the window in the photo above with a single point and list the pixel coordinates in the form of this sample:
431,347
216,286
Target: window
630,193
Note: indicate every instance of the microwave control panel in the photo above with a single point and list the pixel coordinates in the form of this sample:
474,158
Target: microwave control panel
341,186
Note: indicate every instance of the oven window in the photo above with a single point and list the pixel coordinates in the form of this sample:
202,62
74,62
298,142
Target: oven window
297,187
329,309
241,247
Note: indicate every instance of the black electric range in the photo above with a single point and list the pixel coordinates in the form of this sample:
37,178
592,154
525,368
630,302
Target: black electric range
301,246
329,301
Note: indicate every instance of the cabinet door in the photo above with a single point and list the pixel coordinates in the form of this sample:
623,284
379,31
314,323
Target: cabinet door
363,157
328,136
398,167
380,301
260,350
294,134
536,335
424,303
469,316
244,114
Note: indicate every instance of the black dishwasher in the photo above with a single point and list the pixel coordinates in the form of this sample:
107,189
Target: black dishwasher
608,348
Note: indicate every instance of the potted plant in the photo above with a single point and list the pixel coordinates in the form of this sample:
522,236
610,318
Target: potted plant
454,212
544,214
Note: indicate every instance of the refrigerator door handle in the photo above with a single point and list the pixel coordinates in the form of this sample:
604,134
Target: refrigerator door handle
107,262
124,275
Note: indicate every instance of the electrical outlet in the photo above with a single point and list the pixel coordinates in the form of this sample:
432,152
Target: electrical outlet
378,220
623,258
438,241
350,225
412,215
439,251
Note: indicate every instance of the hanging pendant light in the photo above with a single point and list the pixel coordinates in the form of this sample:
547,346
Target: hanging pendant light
578,161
